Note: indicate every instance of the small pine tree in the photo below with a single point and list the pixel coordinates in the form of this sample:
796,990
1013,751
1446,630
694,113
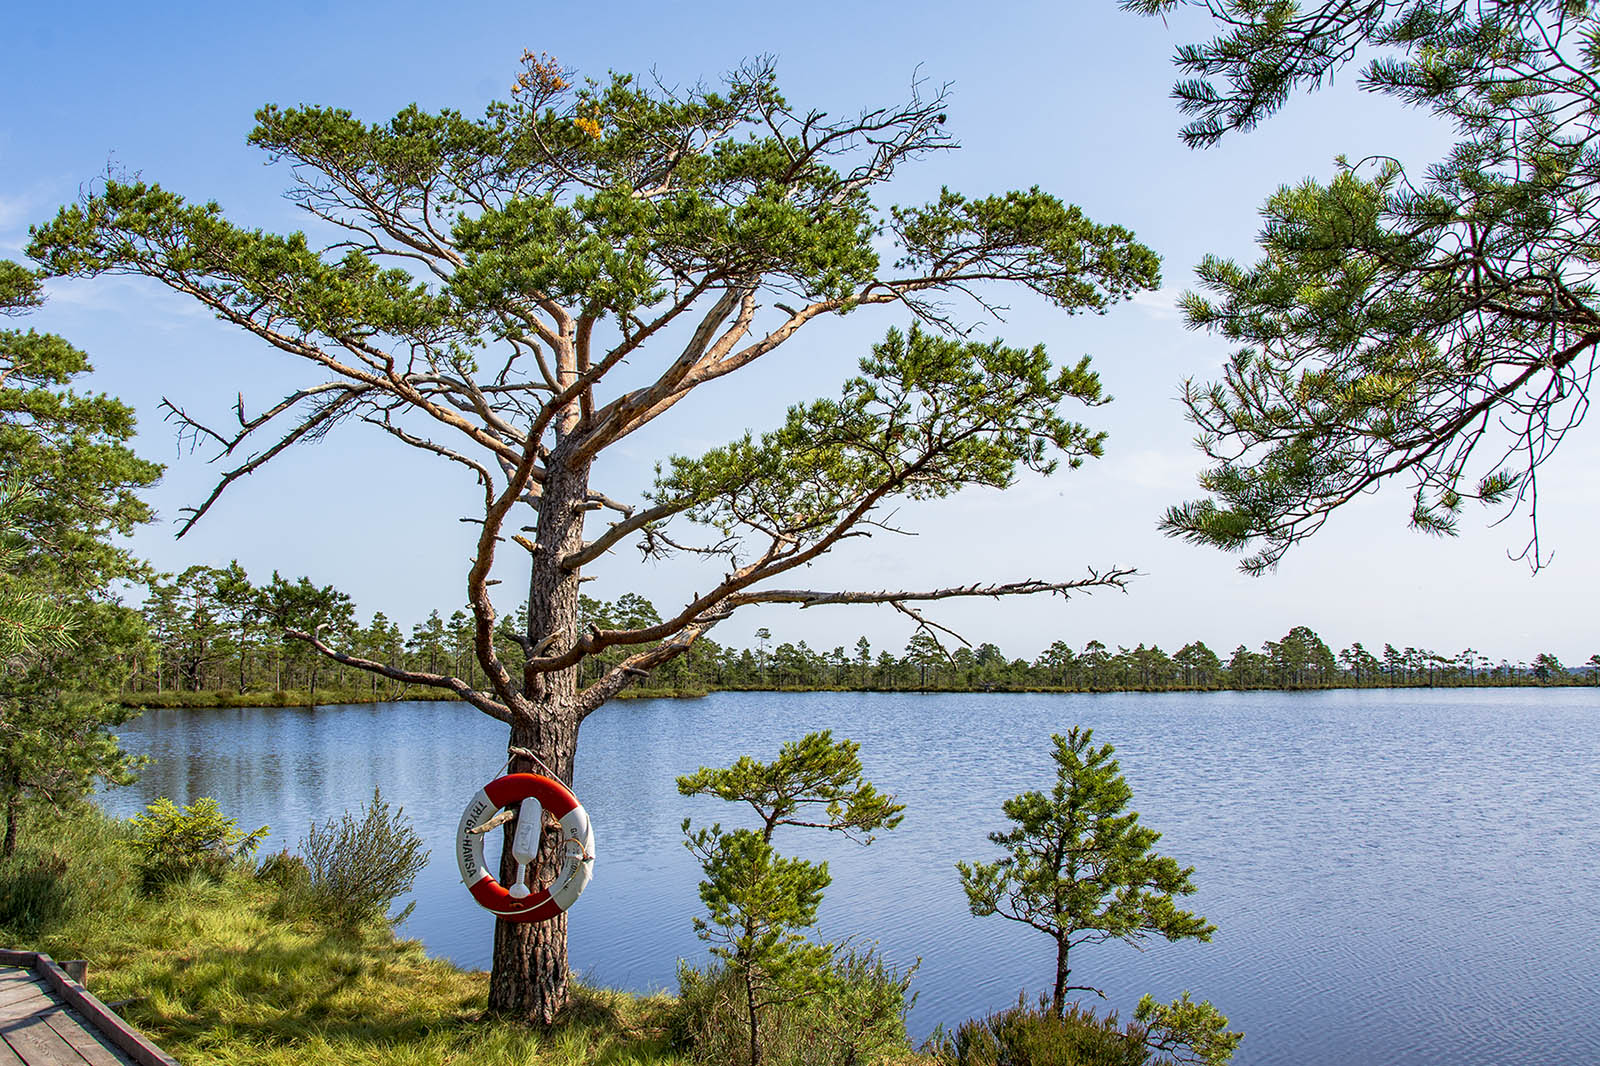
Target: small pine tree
758,900
174,843
1080,866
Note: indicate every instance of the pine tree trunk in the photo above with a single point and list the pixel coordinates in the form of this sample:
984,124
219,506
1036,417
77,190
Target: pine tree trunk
529,976
1057,1004
750,1005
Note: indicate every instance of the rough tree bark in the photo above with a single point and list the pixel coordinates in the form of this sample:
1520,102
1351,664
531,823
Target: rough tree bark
1063,972
529,975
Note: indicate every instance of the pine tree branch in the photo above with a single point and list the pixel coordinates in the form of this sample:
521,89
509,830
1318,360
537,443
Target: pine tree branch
481,700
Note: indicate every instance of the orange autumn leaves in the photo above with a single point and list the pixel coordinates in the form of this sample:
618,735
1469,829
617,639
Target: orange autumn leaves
542,77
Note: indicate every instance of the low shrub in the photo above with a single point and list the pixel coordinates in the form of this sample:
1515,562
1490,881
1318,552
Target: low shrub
357,867
855,1015
286,870
176,844
1160,1035
1029,1036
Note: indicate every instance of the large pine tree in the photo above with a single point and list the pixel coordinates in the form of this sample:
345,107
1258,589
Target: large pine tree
491,276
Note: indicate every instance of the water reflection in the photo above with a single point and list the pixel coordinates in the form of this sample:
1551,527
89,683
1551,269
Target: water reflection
1397,877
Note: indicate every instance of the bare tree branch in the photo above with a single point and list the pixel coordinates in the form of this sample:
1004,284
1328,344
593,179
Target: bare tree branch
481,700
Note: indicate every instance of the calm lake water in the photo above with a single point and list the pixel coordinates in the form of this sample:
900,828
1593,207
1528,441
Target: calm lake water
1397,877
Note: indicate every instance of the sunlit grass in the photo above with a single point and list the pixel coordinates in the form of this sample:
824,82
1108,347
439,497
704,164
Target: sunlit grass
236,971
218,972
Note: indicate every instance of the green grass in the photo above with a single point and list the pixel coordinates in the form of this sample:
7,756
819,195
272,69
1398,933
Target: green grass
218,972
239,969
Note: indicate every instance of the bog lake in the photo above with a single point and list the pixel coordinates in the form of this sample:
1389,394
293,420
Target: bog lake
1406,877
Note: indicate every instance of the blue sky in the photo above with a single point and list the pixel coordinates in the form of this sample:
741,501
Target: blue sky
1071,97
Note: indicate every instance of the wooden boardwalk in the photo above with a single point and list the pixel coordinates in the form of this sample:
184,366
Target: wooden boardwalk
48,1019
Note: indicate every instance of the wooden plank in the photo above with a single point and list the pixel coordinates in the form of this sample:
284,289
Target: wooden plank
26,1002
9,1057
34,981
98,1018
14,993
133,1043
95,1049
23,994
38,1044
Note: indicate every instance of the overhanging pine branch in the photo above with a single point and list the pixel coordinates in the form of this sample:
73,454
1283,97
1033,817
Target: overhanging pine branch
640,664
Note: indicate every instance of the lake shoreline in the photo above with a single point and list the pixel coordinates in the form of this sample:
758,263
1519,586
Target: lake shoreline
229,968
208,699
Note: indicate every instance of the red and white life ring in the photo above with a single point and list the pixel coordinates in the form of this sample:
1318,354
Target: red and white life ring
534,795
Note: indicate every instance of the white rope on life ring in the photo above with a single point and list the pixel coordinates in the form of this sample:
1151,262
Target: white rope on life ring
533,795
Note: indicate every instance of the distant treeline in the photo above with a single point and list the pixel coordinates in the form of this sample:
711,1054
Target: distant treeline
214,630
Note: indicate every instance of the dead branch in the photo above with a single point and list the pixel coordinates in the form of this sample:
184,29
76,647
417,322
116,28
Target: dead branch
925,623
478,699
1116,577
310,427
638,666
496,822
684,636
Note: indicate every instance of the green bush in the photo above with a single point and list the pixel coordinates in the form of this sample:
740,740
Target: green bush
174,844
855,1015
1186,1031
1028,1036
358,867
35,892
286,870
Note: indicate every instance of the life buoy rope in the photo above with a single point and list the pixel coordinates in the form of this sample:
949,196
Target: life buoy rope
535,796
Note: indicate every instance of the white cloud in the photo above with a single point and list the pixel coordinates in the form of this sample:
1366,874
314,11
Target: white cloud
138,298
1160,304
21,208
